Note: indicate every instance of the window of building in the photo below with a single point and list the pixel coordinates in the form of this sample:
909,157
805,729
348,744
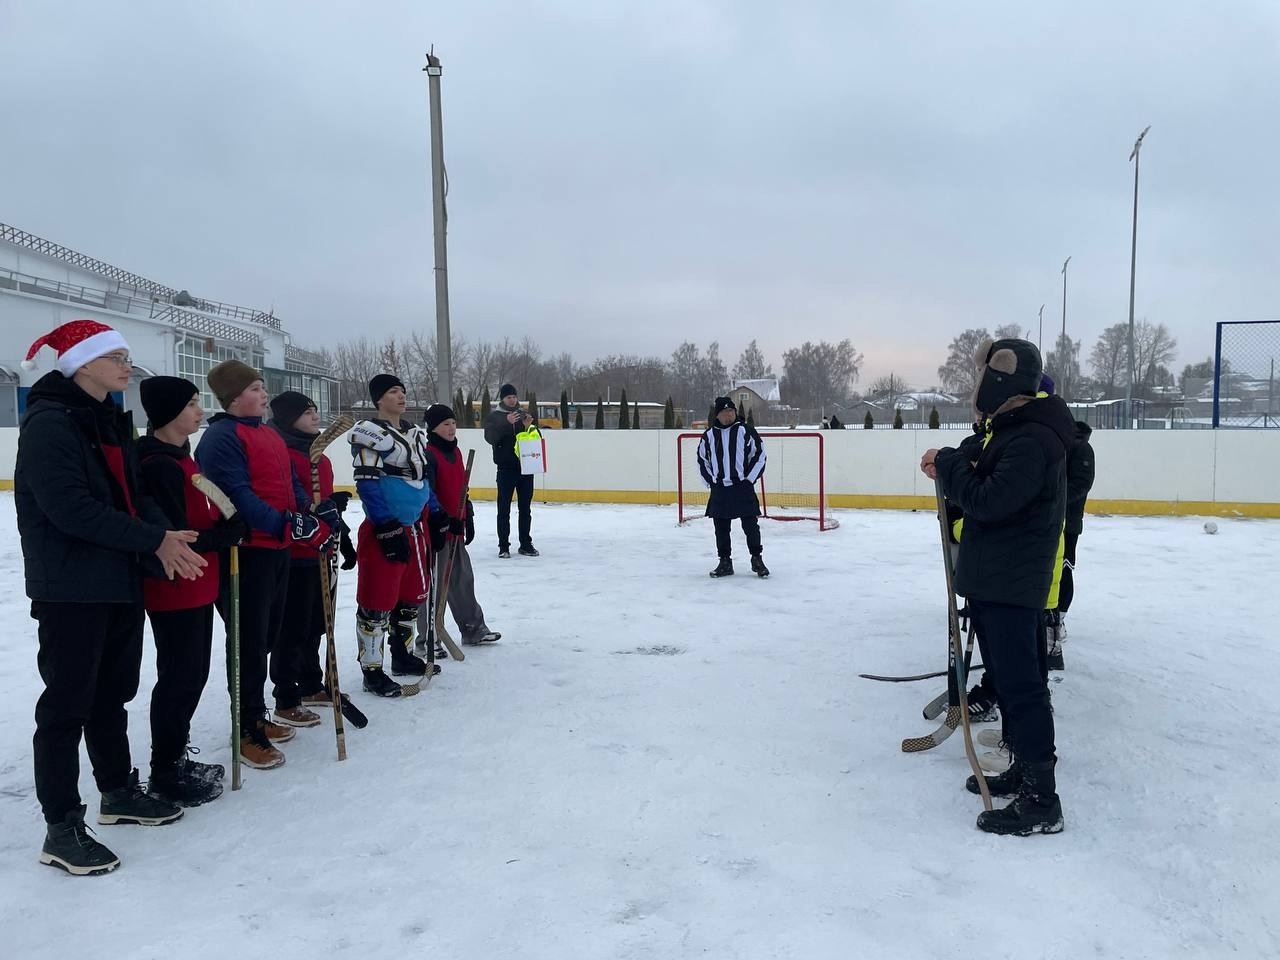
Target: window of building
196,355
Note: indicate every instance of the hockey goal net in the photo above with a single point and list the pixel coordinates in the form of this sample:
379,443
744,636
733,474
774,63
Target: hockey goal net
793,487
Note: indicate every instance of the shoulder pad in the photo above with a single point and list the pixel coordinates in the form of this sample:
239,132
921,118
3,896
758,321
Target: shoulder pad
372,435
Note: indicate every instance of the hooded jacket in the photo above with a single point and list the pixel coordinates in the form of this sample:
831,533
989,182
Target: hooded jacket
86,528
1014,500
1079,478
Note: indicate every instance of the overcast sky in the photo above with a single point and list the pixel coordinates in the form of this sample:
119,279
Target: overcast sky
624,176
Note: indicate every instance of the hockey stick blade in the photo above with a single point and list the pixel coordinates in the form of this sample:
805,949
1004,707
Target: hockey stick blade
935,707
353,714
215,495
336,429
947,728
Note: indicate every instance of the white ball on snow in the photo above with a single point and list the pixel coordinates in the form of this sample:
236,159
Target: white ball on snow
1210,527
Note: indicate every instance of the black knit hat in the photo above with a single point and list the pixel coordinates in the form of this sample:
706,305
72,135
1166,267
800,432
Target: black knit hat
289,406
437,414
164,397
724,403
507,390
381,384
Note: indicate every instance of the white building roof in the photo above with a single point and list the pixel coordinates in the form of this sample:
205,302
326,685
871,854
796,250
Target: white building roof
766,388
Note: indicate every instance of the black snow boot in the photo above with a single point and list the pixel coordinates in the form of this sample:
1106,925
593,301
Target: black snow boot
1036,808
725,568
71,846
378,683
404,663
213,772
528,550
758,567
1002,785
132,804
179,784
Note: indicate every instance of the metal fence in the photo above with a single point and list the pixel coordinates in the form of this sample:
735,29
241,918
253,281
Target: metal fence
1246,393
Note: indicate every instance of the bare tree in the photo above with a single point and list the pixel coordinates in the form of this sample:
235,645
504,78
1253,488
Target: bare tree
1063,364
1153,348
1011,331
889,386
1109,359
751,365
960,373
815,375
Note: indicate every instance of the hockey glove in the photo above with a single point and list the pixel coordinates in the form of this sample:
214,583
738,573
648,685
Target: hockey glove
228,532
471,524
340,500
304,528
327,511
392,541
437,530
457,527
345,547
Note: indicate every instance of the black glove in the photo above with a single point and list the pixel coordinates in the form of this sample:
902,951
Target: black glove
229,532
457,526
327,511
345,547
471,524
392,541
437,530
340,500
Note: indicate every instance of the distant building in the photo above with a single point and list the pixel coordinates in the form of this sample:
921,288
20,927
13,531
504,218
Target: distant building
43,285
763,399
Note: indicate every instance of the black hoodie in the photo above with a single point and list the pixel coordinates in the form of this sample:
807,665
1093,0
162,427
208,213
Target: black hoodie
1079,477
80,541
1014,501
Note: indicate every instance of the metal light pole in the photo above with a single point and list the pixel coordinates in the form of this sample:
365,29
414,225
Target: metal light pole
439,218
1064,295
1040,342
1133,273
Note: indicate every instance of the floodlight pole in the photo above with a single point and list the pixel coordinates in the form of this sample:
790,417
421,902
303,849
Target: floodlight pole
439,218
1040,342
1133,273
1064,295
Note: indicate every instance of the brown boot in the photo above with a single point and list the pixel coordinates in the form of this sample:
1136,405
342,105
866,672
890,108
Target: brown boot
277,733
296,717
257,751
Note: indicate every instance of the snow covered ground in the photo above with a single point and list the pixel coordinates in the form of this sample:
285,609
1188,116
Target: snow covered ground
655,765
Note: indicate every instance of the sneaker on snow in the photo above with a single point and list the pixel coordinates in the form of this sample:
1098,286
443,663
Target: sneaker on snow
317,698
439,652
378,683
71,846
504,553
724,568
997,760
297,717
981,708
179,784
528,550
257,750
132,804
277,732
758,567
989,738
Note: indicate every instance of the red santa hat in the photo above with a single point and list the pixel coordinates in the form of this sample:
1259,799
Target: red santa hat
77,342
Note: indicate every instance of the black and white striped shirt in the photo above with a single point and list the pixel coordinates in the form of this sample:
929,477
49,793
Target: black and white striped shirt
729,455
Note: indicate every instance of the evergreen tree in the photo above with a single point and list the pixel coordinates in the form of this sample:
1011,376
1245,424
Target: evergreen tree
635,415
934,422
751,419
531,403
711,414
564,409
897,419
599,413
469,415
624,422
577,418
459,407
669,416
867,422
486,404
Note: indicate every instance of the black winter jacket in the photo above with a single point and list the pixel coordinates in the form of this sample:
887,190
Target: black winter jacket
1014,503
1079,478
79,542
501,435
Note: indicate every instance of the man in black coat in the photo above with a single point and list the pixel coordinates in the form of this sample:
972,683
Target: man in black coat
1080,472
1014,500
500,429
86,532
731,459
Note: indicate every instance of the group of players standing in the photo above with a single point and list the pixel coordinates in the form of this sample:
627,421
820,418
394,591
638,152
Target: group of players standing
113,529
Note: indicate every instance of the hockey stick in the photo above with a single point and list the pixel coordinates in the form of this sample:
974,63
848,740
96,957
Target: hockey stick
228,510
933,709
328,590
912,679
442,596
417,686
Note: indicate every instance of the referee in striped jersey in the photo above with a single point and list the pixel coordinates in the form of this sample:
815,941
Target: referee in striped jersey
731,459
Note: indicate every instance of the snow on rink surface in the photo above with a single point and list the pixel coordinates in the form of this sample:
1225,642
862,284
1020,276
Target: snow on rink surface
652,764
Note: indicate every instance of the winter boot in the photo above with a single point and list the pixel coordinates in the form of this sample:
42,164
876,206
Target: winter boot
724,569
1036,808
504,553
317,698
998,760
132,804
296,717
528,550
400,638
1003,785
257,750
758,567
177,784
277,732
378,683
213,772
71,846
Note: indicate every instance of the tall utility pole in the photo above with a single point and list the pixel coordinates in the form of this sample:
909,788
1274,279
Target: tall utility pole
1040,342
1133,273
439,219
1064,295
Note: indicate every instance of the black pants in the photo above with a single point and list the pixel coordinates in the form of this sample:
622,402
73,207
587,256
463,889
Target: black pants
513,481
1012,657
90,655
264,582
295,659
724,545
1067,588
184,639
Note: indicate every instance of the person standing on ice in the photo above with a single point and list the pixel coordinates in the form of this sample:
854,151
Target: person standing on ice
731,459
500,433
1080,473
389,460
87,531
1014,502
181,612
448,478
